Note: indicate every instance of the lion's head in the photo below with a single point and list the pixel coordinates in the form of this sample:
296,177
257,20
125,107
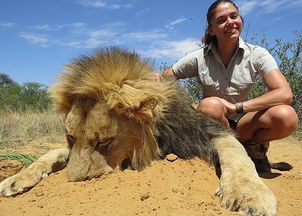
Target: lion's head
111,104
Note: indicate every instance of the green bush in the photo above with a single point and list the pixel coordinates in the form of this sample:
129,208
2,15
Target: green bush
21,98
6,81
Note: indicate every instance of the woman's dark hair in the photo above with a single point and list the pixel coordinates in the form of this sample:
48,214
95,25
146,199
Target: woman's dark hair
208,38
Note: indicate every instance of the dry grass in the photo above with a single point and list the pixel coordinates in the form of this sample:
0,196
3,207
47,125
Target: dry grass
17,128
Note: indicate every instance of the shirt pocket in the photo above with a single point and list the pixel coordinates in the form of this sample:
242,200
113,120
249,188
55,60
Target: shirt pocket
244,90
210,84
210,88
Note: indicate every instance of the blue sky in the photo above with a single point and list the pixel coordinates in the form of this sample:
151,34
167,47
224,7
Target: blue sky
38,37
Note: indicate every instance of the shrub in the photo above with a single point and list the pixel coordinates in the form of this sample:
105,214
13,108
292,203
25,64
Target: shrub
21,98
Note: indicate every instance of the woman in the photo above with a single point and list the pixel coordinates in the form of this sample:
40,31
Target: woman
227,67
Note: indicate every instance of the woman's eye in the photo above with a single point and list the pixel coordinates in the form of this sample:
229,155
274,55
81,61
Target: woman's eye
220,20
234,16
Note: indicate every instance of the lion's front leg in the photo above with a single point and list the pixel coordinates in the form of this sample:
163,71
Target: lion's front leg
240,188
29,177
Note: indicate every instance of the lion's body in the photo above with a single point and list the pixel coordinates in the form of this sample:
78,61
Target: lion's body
186,132
124,83
118,116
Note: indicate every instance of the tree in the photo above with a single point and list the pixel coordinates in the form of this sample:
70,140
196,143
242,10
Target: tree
28,96
6,81
35,95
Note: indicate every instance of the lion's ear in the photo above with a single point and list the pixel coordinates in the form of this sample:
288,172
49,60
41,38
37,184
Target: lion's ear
143,110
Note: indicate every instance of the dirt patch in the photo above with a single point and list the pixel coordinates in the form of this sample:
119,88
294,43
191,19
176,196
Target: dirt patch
9,168
176,187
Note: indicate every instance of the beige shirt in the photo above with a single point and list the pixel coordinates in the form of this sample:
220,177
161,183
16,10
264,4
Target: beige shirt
232,83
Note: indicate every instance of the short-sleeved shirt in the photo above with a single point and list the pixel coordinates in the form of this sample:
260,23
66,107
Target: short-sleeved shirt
232,83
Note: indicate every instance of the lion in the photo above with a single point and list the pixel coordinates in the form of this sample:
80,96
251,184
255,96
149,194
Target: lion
119,117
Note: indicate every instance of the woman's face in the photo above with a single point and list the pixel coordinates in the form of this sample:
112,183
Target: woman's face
226,23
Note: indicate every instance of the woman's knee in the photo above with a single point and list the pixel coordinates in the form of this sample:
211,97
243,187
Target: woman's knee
211,107
285,117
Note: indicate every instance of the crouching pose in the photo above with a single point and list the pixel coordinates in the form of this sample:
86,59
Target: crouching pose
117,116
227,68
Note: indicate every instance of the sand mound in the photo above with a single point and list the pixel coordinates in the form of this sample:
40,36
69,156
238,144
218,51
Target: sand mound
180,187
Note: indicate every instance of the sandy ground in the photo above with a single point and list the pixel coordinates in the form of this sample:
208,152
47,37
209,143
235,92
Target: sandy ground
182,187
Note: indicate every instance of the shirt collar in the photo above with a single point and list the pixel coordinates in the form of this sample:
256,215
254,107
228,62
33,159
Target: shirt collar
210,46
207,48
241,44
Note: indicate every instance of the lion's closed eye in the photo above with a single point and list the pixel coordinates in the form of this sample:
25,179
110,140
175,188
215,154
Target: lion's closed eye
70,140
104,143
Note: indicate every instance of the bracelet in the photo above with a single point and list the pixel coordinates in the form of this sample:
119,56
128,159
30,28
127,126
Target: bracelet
239,107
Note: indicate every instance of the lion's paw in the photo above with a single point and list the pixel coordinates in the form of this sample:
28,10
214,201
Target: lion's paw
18,183
248,196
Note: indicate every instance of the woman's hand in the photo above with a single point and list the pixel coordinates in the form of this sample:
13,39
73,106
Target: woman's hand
230,107
157,76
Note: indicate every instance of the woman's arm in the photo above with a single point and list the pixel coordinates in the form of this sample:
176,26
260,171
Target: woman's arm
279,92
167,73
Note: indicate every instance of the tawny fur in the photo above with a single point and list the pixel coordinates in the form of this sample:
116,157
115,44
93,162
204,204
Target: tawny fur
117,75
125,83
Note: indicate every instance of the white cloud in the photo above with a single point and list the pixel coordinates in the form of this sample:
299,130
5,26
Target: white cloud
246,6
175,22
173,49
154,43
94,39
266,6
75,44
76,35
103,4
45,27
96,4
106,30
103,33
75,27
142,12
78,25
276,19
145,36
93,43
35,38
119,6
178,21
107,37
272,5
296,3
4,26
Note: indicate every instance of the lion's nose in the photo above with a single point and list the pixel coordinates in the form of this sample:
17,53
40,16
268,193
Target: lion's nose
75,178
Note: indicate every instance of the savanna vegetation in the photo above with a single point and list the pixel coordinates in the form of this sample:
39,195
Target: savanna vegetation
27,114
